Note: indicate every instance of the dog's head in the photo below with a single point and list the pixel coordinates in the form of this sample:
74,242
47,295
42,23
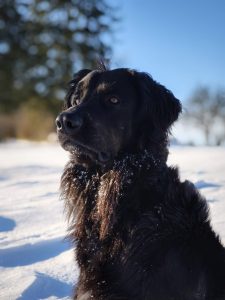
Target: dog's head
111,113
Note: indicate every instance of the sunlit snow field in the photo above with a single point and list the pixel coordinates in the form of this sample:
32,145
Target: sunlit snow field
35,260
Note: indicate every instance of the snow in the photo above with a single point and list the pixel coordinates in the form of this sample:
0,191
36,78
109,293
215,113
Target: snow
36,261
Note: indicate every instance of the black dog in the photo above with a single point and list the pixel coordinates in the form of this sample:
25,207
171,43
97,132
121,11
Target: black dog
140,233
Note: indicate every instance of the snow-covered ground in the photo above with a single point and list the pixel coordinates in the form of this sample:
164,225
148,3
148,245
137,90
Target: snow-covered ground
35,260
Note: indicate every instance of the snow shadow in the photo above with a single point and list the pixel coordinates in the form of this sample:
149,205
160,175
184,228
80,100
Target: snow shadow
202,184
24,183
37,169
44,287
28,170
32,253
49,194
2,178
6,224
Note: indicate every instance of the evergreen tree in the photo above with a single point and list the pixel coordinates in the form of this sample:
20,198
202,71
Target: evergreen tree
42,43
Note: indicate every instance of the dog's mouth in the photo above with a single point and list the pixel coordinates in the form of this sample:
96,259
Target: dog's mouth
85,152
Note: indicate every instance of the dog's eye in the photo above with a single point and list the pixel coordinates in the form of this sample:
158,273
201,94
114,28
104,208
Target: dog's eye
113,100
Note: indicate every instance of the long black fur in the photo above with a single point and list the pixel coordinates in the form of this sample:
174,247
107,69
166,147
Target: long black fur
141,233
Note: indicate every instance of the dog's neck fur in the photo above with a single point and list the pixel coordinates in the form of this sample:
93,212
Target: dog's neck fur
92,197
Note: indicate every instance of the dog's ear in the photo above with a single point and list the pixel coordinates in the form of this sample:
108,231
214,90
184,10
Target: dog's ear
159,103
72,85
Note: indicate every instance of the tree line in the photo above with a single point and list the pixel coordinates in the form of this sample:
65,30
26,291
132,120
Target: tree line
42,43
206,111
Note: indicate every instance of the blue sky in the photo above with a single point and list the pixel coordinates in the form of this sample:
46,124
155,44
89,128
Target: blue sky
181,43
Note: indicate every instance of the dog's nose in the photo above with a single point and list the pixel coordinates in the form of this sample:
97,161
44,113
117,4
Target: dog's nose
68,123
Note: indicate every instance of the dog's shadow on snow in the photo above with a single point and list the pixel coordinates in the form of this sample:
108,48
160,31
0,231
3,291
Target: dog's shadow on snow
32,253
44,287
